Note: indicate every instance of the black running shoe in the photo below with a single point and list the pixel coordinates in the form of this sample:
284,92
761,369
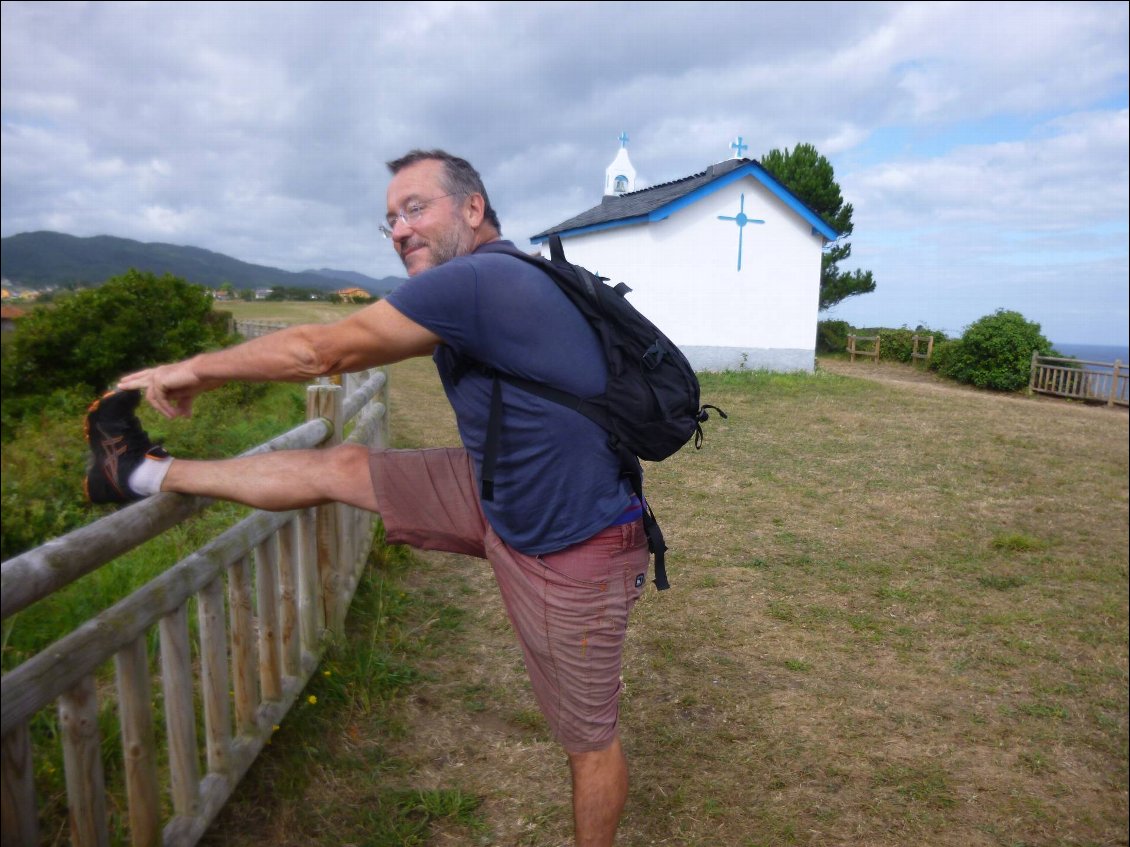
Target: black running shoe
117,445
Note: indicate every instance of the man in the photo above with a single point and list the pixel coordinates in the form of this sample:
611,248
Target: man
561,528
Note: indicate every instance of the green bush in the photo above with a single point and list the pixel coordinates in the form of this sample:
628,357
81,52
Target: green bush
995,352
897,345
43,468
831,336
90,338
944,352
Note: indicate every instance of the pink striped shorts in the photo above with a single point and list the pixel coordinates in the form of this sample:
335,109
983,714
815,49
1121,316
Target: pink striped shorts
569,609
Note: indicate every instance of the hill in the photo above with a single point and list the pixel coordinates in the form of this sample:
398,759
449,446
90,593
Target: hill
53,259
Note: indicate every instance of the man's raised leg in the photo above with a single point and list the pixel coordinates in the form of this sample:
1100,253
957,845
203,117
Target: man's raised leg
287,479
126,465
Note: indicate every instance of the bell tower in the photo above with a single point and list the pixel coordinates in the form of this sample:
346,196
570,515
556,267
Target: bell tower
620,176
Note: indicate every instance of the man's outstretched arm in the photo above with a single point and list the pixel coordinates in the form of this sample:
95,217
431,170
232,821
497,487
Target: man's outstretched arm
376,335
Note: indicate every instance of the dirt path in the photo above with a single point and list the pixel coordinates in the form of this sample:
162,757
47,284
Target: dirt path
924,382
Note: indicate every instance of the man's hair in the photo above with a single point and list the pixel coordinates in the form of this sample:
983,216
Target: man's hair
458,177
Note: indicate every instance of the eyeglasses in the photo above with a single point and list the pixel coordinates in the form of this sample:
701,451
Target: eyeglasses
409,213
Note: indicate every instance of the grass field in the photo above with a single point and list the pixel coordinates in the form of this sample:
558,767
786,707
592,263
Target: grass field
898,617
290,311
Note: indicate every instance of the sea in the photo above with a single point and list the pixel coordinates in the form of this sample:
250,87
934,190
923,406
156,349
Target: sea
1096,352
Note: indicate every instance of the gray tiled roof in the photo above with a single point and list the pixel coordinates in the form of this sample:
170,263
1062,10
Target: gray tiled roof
642,202
637,206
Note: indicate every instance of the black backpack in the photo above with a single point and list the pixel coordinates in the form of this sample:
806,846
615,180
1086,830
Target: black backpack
650,407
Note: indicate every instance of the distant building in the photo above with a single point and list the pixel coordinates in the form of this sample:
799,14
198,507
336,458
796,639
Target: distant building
353,295
726,261
8,317
263,293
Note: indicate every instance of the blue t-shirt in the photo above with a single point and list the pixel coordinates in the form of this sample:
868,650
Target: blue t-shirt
556,481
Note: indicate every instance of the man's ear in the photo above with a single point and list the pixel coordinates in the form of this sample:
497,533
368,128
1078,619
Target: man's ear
475,208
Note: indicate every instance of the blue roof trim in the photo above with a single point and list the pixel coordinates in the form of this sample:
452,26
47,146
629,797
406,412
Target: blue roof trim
681,201
790,200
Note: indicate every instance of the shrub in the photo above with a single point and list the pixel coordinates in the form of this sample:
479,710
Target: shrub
896,345
91,337
831,336
995,352
944,352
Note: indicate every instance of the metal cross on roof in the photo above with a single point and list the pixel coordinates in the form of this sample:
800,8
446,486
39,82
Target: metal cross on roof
738,147
741,220
623,139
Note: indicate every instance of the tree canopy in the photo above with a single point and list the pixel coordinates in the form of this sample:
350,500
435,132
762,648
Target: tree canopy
91,337
812,179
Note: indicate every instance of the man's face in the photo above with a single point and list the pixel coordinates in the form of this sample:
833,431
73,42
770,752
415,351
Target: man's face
441,232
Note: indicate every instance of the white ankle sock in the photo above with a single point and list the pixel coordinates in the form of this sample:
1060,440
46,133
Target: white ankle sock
147,477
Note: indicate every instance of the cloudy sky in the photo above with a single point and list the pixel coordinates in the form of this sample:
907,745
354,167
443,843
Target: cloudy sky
984,146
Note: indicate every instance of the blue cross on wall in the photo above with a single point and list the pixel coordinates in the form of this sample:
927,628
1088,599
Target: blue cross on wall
738,147
741,220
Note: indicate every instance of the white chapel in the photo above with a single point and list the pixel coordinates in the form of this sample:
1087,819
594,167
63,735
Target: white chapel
726,261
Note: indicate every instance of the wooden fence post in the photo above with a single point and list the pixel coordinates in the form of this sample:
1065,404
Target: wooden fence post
244,683
311,615
19,824
914,354
267,596
384,428
139,747
1114,382
214,675
82,760
1032,372
325,401
855,351
289,557
180,724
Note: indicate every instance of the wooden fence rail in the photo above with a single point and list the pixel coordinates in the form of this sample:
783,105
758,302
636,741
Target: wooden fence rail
853,346
265,593
254,328
1080,380
924,356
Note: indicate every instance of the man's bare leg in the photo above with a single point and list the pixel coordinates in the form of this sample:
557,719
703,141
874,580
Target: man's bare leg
287,479
600,790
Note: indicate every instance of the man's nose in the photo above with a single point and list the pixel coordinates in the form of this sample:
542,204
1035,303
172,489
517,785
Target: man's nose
400,229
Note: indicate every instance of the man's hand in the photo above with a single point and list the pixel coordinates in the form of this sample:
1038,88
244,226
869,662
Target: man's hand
170,389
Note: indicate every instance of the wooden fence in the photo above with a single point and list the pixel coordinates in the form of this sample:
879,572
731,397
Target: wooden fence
1079,380
925,356
266,592
853,348
253,329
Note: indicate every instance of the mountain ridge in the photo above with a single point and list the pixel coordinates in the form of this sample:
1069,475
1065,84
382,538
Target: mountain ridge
46,259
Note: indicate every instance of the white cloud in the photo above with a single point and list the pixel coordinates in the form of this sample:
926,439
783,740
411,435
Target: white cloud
967,132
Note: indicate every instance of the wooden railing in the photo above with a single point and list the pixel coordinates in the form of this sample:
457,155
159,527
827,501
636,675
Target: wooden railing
266,592
853,346
253,328
924,356
1104,382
